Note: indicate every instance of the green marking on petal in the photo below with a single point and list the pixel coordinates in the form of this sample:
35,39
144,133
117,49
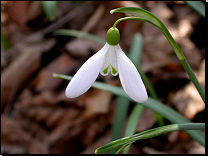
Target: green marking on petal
113,70
106,70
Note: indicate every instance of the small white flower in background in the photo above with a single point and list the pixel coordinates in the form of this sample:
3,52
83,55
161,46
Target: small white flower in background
109,58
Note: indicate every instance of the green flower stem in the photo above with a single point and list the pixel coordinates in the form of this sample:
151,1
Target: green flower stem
156,22
130,18
191,126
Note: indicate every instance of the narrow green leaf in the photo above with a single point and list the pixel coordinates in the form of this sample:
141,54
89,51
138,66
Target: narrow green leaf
140,136
136,49
49,8
80,34
149,134
135,56
197,6
120,114
132,123
152,104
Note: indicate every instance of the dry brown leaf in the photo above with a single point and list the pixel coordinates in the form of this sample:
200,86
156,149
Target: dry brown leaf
80,47
38,147
17,73
12,133
12,149
96,102
158,54
68,115
187,146
163,12
67,130
35,129
146,121
188,101
173,137
127,4
149,150
196,149
94,19
18,12
92,128
64,64
100,142
34,10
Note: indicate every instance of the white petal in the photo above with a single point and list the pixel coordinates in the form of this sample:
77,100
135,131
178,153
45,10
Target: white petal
110,62
87,74
130,78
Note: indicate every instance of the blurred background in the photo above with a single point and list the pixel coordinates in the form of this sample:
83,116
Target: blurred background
37,117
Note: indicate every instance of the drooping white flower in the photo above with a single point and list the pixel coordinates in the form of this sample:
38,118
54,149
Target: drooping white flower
112,59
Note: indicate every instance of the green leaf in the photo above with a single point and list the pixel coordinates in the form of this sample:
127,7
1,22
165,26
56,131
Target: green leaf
197,6
132,123
151,103
49,8
120,114
149,134
140,136
80,34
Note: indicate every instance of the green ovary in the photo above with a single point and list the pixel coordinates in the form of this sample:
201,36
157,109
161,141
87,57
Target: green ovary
113,36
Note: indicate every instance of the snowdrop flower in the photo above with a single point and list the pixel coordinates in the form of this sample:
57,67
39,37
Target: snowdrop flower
112,59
